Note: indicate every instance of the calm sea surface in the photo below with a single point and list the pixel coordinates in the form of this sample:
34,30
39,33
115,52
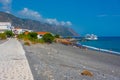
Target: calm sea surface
107,43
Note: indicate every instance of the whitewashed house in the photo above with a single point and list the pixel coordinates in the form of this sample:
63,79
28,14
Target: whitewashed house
20,30
5,26
17,30
24,30
41,34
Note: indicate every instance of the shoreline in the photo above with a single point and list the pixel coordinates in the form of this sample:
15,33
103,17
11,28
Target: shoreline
105,44
98,49
102,50
62,60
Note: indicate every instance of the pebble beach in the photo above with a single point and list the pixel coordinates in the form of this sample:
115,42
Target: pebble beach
60,62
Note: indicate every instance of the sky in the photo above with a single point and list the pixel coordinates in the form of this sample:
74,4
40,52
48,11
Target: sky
100,17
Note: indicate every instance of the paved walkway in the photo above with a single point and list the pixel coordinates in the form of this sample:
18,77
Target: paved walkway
13,62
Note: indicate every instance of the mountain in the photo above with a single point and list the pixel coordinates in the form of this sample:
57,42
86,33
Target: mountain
36,25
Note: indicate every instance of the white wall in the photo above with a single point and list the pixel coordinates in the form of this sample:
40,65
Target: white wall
5,25
39,36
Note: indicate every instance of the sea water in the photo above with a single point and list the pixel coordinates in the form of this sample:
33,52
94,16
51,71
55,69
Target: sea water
107,44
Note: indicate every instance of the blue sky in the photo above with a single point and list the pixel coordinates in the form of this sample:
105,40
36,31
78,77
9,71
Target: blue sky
101,17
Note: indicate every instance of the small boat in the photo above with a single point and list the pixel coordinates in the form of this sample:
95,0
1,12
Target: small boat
91,37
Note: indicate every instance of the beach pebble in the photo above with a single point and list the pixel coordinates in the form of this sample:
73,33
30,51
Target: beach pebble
113,71
84,66
48,53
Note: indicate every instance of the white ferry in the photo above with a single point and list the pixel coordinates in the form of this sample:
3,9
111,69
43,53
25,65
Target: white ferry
91,37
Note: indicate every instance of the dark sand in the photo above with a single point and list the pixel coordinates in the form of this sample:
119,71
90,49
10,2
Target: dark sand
60,62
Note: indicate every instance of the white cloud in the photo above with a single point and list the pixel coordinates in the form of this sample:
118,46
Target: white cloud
56,22
6,5
31,14
68,23
7,11
27,13
52,21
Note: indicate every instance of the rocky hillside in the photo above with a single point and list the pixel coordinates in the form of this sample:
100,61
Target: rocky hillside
36,25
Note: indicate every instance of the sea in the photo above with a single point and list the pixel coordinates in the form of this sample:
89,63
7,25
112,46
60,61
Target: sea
105,44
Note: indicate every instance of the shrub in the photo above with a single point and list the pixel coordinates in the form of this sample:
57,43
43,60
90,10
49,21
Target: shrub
57,36
20,36
27,43
9,33
37,41
48,38
2,36
40,41
32,35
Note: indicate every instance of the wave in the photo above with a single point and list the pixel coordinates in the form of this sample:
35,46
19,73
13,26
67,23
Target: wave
102,50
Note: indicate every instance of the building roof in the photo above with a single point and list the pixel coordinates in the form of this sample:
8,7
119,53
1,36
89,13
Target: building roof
42,33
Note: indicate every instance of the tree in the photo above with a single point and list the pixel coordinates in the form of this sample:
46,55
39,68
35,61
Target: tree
48,38
9,33
57,36
32,35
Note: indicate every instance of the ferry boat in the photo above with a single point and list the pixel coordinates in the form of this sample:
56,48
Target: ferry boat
91,37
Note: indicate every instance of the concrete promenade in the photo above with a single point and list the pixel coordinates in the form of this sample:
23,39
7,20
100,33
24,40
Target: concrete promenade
13,62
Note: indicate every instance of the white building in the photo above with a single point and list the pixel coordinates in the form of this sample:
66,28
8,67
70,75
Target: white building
5,26
20,30
41,34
